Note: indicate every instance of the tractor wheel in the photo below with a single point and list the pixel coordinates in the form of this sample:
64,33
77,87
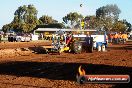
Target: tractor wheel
77,47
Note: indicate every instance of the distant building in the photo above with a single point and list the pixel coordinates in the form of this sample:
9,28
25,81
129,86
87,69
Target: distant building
50,31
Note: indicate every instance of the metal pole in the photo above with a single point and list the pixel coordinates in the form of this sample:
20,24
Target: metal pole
80,17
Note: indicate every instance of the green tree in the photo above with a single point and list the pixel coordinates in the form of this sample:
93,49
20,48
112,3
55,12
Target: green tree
45,19
108,11
19,13
90,22
108,15
72,18
6,27
128,25
25,18
119,26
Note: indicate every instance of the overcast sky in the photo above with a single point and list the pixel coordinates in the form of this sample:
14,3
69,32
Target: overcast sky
59,8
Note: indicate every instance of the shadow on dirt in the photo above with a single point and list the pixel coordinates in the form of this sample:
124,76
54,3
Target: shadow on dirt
23,49
38,50
60,71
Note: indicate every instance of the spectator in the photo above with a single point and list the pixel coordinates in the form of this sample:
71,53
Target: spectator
124,37
116,38
119,37
111,38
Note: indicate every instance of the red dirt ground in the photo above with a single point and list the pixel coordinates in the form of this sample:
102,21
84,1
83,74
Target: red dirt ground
23,66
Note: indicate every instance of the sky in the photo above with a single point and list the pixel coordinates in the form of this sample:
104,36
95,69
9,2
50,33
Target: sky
60,8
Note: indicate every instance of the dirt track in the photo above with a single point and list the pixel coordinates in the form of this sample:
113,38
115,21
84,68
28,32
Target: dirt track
10,45
25,67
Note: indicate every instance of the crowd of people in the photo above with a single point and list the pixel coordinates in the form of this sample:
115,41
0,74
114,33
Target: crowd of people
117,38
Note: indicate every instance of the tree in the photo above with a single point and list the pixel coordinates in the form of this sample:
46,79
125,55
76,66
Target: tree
6,27
128,25
72,18
25,18
108,11
19,13
90,22
119,26
107,15
45,19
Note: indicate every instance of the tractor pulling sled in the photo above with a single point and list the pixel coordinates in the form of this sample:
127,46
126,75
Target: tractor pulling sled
78,43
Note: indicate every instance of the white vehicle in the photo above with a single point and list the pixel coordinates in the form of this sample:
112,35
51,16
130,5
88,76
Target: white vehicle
23,38
99,39
79,36
34,37
18,38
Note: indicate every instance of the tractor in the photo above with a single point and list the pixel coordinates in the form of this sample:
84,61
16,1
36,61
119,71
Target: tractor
68,42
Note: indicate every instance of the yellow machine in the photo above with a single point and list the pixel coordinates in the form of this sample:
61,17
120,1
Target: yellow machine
59,42
62,41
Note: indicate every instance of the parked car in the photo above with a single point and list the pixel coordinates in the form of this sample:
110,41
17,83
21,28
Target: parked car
11,38
23,38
